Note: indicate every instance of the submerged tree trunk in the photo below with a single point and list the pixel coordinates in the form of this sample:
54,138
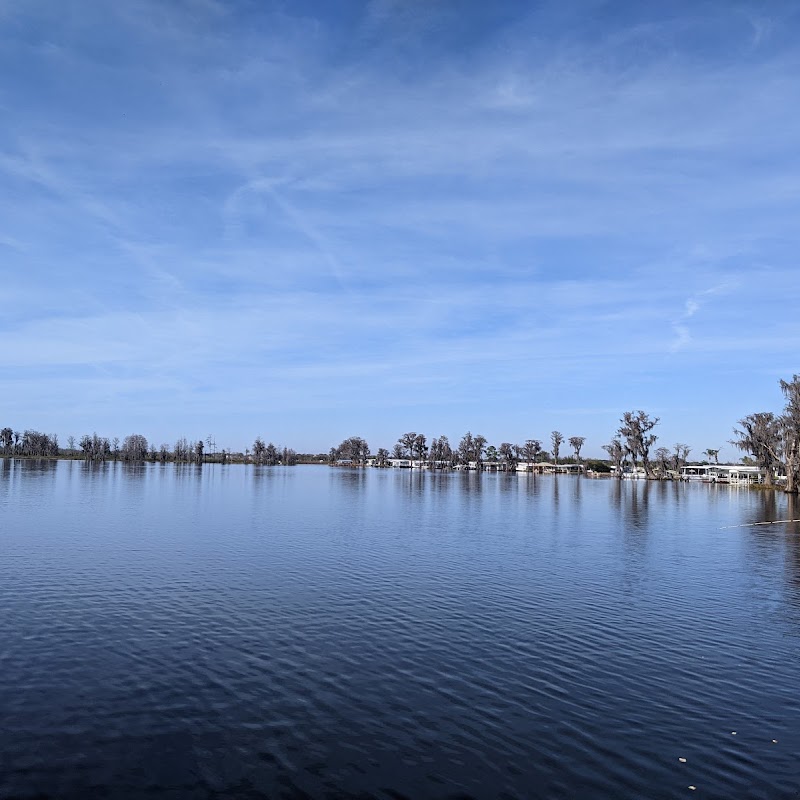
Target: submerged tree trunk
791,457
790,423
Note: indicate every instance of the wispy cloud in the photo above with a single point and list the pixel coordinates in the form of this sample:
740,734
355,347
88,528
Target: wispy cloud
692,305
240,204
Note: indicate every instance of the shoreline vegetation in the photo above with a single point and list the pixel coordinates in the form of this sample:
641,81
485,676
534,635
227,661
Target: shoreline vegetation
771,444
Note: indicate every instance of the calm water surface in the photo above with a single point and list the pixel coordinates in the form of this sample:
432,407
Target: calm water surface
227,632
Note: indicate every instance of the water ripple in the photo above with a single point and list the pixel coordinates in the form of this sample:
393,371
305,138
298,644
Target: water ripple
320,633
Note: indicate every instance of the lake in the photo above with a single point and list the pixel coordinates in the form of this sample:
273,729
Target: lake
172,631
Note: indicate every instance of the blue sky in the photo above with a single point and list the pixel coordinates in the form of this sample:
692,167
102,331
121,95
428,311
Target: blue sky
311,220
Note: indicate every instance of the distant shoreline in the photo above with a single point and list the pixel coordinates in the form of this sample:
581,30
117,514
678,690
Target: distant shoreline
320,461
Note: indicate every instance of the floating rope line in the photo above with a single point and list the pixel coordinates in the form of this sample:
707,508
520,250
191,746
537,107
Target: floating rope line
753,524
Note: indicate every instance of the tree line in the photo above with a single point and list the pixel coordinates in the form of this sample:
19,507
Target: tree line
135,448
30,443
472,449
633,441
771,442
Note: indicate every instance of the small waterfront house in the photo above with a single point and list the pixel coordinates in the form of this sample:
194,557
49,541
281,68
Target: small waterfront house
735,474
570,469
630,473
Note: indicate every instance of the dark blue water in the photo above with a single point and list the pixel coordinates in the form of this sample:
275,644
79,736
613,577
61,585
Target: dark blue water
230,631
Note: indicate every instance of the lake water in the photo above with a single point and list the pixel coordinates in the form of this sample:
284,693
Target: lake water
244,632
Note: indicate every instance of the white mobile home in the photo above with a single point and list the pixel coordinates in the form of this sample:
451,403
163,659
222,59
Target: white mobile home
734,474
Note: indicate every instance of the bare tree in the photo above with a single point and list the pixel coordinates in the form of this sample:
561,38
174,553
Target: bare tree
85,444
790,432
354,449
663,457
382,457
576,443
711,453
760,435
680,455
471,449
95,448
407,442
270,456
466,448
556,439
480,448
433,453
440,454
38,445
635,430
508,454
134,447
181,450
419,447
289,457
532,449
616,452
446,453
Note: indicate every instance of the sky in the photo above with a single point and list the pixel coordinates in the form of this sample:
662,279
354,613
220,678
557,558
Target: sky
311,220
